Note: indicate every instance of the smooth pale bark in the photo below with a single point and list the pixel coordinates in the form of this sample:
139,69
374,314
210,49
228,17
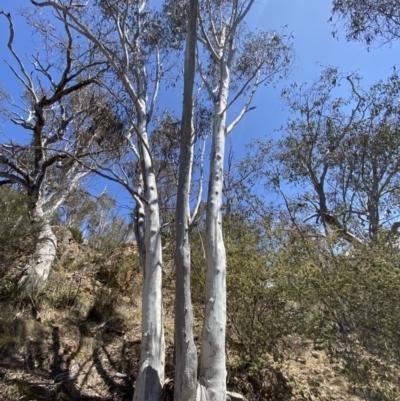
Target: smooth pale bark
39,265
151,370
212,365
185,348
219,37
135,79
140,233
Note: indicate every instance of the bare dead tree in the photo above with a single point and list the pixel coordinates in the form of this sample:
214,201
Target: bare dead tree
51,105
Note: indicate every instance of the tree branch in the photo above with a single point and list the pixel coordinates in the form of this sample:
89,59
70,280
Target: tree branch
11,178
206,41
29,87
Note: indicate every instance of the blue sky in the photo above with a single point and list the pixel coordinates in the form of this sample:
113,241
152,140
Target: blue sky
313,45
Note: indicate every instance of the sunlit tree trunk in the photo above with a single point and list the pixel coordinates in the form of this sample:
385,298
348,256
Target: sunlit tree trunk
151,370
212,368
39,265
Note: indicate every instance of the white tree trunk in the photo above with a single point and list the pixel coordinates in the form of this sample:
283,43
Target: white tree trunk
38,268
151,371
212,367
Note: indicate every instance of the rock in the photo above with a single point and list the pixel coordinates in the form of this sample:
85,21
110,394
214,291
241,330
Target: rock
126,252
74,369
315,355
328,373
231,396
63,235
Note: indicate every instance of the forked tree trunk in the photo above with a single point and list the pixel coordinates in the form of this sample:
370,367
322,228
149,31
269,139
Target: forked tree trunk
185,348
39,265
212,367
151,370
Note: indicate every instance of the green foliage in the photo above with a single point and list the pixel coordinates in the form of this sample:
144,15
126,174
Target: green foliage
340,152
76,234
369,20
17,235
14,221
347,298
253,300
289,287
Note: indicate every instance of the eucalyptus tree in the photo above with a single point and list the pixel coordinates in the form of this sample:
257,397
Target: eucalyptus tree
98,218
76,209
164,146
131,38
53,110
185,348
342,155
232,64
369,21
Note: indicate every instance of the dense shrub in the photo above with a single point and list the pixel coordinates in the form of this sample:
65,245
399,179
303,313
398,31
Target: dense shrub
76,234
347,297
17,235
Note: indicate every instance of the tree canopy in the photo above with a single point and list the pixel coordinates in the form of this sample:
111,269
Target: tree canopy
369,21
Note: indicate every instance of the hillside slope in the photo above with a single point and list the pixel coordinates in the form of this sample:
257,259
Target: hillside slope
79,339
